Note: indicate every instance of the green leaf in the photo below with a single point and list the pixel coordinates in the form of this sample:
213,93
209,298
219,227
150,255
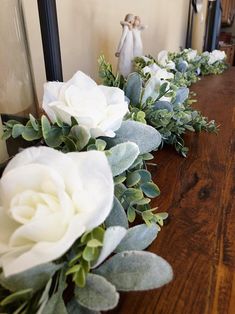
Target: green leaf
145,176
133,178
150,189
82,136
46,126
112,237
16,296
136,270
7,134
80,278
34,122
133,194
122,157
29,134
138,238
98,294
54,137
100,144
133,88
17,130
131,214
90,254
34,278
146,137
117,216
94,243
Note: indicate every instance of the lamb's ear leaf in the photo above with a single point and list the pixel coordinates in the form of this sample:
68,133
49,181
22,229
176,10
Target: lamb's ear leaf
112,237
122,156
181,95
145,136
136,270
133,88
73,307
138,238
98,294
34,278
117,216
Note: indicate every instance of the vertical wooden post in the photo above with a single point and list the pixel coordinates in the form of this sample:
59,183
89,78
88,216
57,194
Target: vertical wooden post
50,39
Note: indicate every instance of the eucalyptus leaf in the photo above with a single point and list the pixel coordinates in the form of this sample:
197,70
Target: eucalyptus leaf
117,216
138,238
122,156
82,135
133,88
29,134
146,137
150,189
112,237
73,307
98,294
17,130
34,278
54,137
136,270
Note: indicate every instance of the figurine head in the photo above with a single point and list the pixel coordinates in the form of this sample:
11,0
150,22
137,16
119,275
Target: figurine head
137,21
130,18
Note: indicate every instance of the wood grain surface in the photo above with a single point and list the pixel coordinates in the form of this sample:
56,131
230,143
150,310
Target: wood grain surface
198,193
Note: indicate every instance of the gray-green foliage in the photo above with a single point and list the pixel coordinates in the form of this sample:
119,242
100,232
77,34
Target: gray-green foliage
138,238
122,156
112,237
133,88
98,294
176,116
147,271
34,278
73,307
117,216
146,137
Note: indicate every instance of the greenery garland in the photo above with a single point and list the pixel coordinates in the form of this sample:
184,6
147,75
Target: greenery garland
109,258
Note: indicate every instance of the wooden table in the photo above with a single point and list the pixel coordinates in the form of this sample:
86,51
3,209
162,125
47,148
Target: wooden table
198,192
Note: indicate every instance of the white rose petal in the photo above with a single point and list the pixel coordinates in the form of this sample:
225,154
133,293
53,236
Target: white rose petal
89,103
48,200
216,55
164,61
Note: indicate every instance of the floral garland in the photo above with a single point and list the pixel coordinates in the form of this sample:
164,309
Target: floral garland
65,242
64,212
158,92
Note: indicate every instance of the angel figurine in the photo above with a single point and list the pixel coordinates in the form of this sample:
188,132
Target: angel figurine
125,47
137,41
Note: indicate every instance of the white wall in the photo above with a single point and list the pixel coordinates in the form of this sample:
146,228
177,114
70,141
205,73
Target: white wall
91,27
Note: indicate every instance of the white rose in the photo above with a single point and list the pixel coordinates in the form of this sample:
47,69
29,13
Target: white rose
191,54
48,200
216,55
155,70
100,109
164,61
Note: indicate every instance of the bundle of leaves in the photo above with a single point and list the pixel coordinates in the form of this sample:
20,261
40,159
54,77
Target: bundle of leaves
159,102
87,278
128,154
